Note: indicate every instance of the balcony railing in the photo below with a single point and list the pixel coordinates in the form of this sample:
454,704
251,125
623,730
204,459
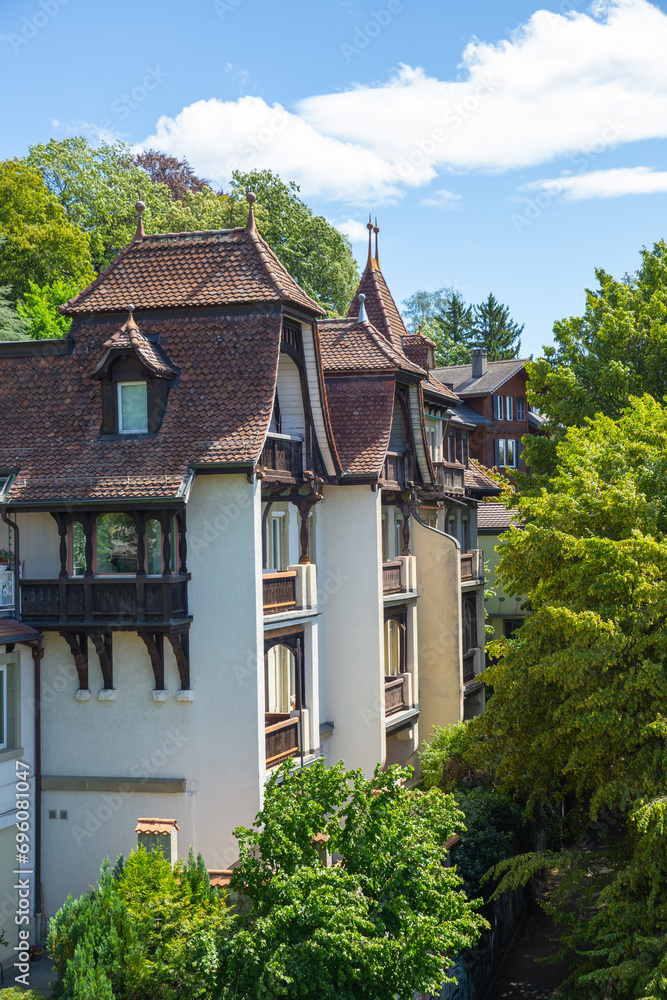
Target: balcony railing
469,667
394,468
451,476
282,454
6,590
282,737
394,695
105,601
472,565
279,592
391,577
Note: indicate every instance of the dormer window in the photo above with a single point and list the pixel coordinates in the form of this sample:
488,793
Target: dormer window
132,404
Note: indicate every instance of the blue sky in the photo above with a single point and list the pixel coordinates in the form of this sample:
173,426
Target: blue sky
504,146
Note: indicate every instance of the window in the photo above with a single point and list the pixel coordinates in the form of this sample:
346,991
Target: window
465,449
511,626
520,408
3,707
509,407
132,408
154,561
398,537
10,702
500,449
510,454
465,534
385,537
451,446
276,543
470,640
280,680
78,549
393,643
497,407
116,536
434,435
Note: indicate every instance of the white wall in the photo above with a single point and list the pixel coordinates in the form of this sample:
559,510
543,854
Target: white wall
290,398
350,597
215,742
39,546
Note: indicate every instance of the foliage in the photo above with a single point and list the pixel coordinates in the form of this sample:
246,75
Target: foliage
39,308
16,993
387,920
493,326
40,244
454,759
616,349
12,327
579,714
314,252
492,827
455,326
177,174
146,932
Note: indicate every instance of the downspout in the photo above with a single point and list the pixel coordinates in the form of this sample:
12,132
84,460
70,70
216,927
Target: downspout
37,654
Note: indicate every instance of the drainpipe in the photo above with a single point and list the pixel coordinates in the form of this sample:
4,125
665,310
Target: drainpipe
37,654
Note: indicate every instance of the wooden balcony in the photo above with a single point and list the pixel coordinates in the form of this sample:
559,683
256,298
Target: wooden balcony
394,695
394,469
279,592
282,457
282,737
451,476
391,577
105,601
472,565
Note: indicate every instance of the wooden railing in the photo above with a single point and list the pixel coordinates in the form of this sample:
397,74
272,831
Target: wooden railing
279,592
103,600
469,667
391,577
394,468
282,454
451,476
394,695
282,737
472,565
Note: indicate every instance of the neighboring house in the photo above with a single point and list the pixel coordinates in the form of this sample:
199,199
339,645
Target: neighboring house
218,499
504,613
494,396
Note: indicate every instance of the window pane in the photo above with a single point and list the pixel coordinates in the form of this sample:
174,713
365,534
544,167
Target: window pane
116,544
133,407
78,549
510,407
501,452
153,548
392,648
520,408
510,453
3,706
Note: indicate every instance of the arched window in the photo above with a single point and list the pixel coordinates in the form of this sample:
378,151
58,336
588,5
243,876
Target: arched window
393,648
116,536
280,681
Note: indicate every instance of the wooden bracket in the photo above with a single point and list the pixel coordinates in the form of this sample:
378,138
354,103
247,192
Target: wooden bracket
180,645
103,647
155,646
79,648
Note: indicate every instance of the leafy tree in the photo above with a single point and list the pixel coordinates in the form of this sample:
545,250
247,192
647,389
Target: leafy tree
314,252
387,920
39,309
446,320
12,326
493,326
618,348
177,174
578,720
39,244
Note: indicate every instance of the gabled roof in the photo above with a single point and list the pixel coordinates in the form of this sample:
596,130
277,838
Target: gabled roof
380,306
352,346
492,518
477,481
361,412
130,338
192,270
432,387
460,377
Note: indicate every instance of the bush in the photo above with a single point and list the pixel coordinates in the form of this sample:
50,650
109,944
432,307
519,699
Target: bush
455,758
492,833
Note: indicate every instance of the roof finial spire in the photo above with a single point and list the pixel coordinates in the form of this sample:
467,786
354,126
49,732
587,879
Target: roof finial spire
251,198
363,318
376,230
369,227
140,207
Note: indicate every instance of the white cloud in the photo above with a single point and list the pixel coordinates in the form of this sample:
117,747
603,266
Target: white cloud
356,232
558,86
603,184
442,199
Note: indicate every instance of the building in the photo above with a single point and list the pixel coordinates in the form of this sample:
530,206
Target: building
215,502
505,613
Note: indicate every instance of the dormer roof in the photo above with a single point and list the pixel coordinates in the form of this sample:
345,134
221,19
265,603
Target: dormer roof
130,338
349,345
382,310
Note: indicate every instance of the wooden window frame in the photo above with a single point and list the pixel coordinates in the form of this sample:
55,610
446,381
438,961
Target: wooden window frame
119,406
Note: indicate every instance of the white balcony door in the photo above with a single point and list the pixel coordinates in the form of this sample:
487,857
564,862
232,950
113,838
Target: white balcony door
280,680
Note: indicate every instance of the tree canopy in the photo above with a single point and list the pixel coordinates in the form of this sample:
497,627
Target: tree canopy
455,327
616,349
578,721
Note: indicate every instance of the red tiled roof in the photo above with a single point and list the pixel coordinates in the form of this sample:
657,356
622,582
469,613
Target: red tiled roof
380,306
192,270
50,410
361,411
418,348
350,346
129,336
13,631
433,387
149,825
495,517
476,478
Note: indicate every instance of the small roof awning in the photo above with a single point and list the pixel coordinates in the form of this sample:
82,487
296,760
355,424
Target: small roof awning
13,631
150,825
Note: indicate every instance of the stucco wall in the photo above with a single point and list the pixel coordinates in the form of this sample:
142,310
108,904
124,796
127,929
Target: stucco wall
215,742
350,597
439,625
39,546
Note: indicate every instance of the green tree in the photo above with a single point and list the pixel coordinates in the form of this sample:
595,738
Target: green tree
12,326
446,320
314,252
493,326
39,244
578,721
39,309
616,349
387,920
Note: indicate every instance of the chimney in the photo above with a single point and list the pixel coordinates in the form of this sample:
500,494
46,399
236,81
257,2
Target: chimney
478,362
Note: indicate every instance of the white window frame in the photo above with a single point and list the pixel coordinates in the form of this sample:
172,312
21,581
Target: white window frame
502,453
3,706
497,407
510,445
119,402
509,407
